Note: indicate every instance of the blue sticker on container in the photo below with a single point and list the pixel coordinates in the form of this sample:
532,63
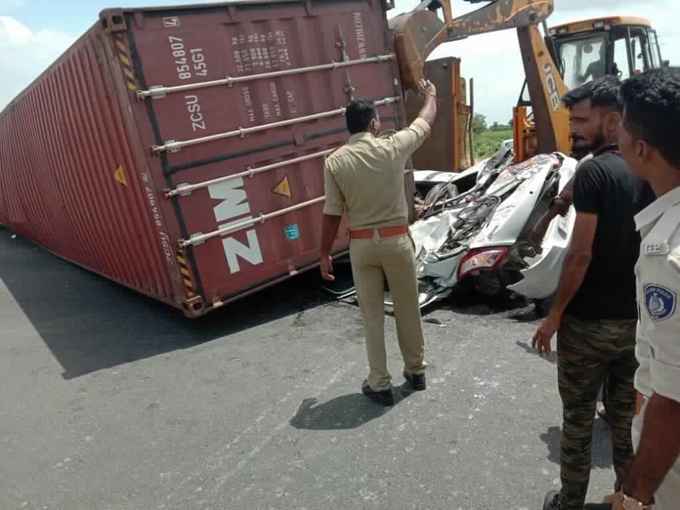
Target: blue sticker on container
661,302
292,232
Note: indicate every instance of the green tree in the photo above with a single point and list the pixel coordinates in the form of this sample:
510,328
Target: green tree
479,123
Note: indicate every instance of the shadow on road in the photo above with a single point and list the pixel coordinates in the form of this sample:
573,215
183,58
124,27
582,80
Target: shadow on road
526,315
601,448
344,412
90,323
466,302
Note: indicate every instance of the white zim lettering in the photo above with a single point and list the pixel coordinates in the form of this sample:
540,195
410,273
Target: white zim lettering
195,115
234,249
234,200
233,208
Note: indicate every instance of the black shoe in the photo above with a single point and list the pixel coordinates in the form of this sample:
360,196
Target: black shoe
384,397
417,381
552,501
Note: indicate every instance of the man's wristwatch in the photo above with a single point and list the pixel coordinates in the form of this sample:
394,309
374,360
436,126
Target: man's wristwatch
633,504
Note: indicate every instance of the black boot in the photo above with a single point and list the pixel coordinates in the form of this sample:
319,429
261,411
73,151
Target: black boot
384,397
552,501
417,381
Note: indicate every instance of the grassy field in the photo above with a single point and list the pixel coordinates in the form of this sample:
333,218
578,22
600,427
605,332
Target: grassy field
488,142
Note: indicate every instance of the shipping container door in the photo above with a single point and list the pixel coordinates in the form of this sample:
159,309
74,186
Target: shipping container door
242,103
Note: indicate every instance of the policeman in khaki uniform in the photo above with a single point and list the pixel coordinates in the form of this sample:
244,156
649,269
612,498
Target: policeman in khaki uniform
365,180
649,140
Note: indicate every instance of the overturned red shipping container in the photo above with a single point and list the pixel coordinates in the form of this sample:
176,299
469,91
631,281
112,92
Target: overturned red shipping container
179,151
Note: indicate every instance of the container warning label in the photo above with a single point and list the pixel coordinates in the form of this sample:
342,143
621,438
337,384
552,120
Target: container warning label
283,188
119,176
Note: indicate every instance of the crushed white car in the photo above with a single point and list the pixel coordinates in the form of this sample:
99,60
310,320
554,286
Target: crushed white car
475,227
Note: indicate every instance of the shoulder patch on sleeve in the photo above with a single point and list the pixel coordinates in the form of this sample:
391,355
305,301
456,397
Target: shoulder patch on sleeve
660,302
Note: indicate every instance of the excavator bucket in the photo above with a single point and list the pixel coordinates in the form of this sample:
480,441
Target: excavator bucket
419,32
413,32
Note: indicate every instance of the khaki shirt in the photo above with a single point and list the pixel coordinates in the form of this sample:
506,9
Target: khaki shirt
365,177
658,333
658,290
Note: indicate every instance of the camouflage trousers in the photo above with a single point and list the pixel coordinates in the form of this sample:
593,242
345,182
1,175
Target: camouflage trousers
591,354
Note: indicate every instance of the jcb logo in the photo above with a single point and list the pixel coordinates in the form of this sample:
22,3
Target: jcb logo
551,87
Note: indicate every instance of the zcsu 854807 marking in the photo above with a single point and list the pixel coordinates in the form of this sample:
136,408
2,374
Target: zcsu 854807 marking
195,114
188,63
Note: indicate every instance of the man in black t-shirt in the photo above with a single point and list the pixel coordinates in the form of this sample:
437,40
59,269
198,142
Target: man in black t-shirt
594,312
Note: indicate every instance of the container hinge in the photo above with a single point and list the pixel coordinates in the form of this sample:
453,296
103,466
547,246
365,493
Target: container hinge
194,304
196,239
169,146
113,20
155,92
184,189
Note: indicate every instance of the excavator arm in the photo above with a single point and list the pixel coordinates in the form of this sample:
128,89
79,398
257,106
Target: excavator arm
546,89
545,84
498,15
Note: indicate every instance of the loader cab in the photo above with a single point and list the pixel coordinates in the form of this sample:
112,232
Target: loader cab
619,46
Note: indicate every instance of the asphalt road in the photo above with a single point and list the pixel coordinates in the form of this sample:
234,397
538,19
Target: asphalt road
109,400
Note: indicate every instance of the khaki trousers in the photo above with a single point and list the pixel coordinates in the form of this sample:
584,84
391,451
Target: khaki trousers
372,261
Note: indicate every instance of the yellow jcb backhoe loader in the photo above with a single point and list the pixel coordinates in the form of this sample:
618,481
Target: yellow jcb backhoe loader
566,56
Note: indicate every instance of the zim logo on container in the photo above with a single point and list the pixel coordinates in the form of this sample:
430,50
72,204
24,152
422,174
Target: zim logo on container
660,302
234,208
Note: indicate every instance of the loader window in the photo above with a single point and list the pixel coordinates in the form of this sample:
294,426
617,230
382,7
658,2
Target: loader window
642,58
621,67
583,60
654,49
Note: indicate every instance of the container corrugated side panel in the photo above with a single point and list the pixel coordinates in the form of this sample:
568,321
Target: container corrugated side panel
198,44
71,180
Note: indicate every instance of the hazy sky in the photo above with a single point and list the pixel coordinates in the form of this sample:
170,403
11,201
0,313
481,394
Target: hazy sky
33,33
